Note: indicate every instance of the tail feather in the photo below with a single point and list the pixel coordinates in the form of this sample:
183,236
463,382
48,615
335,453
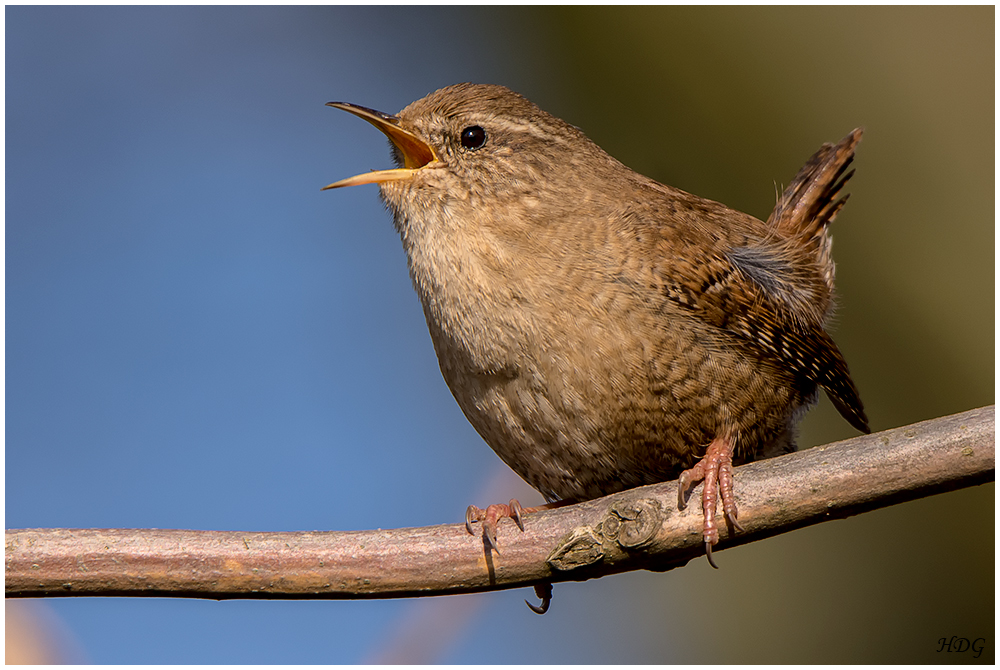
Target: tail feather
808,205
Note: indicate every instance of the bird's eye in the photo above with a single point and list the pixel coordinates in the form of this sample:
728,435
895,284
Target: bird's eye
473,137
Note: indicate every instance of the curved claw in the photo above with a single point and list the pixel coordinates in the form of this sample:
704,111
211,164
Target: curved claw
544,593
708,554
687,481
471,514
490,535
515,512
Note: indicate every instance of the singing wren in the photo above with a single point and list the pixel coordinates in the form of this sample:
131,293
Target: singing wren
600,330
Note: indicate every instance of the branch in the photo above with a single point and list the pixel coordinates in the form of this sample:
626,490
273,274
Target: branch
636,529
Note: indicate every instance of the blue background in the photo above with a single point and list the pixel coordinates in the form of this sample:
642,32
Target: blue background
198,337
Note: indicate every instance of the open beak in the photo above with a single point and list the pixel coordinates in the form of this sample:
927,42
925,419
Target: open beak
416,152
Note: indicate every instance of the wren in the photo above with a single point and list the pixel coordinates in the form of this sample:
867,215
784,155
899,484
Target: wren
600,330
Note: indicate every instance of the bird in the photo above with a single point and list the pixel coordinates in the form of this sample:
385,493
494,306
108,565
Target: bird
601,330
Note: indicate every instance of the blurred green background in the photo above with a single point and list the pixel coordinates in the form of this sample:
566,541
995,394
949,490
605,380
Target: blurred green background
723,102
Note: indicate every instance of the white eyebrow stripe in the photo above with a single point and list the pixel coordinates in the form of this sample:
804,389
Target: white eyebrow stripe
543,131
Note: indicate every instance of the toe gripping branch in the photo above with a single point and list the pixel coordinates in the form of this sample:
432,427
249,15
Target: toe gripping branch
489,518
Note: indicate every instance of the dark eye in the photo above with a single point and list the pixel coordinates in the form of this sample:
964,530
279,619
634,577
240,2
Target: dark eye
473,137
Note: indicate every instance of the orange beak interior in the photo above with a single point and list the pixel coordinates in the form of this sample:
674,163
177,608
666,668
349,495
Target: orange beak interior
416,153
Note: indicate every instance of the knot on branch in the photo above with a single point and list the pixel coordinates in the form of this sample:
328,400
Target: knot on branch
630,524
579,548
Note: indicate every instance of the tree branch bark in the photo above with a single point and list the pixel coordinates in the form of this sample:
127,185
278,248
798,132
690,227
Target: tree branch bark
637,529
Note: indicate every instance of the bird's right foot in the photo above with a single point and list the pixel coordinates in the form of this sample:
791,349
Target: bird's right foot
716,470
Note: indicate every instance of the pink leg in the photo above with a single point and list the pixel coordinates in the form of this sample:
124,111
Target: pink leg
716,469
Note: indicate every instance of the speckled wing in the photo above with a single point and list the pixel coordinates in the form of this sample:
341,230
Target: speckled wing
758,315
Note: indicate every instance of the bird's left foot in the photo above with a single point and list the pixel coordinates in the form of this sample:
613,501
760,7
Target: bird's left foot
491,515
489,518
716,470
